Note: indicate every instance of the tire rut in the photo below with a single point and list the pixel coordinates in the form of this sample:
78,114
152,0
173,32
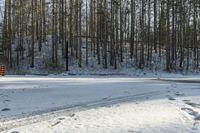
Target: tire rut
39,116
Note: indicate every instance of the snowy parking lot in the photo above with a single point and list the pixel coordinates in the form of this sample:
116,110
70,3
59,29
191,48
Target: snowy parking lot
88,104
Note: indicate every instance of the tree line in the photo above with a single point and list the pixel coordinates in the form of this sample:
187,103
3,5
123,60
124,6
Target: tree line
110,31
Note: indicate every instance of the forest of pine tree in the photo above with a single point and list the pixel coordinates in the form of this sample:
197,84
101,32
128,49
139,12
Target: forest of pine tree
143,33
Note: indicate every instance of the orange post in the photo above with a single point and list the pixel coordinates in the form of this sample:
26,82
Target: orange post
3,71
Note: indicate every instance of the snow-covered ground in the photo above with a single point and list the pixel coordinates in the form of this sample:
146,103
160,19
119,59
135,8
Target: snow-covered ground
96,104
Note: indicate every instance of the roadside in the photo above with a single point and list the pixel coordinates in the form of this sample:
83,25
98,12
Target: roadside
99,104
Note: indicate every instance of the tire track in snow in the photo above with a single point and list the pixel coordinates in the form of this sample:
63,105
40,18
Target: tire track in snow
179,81
35,117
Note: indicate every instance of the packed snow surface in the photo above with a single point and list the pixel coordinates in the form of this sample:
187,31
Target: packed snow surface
96,104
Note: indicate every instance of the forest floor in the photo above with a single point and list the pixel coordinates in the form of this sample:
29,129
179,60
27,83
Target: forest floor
94,104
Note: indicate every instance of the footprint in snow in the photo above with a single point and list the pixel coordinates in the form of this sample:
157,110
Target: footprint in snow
5,109
186,100
171,98
5,101
174,85
193,113
72,115
106,98
4,95
14,132
61,119
58,122
179,94
168,91
196,105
